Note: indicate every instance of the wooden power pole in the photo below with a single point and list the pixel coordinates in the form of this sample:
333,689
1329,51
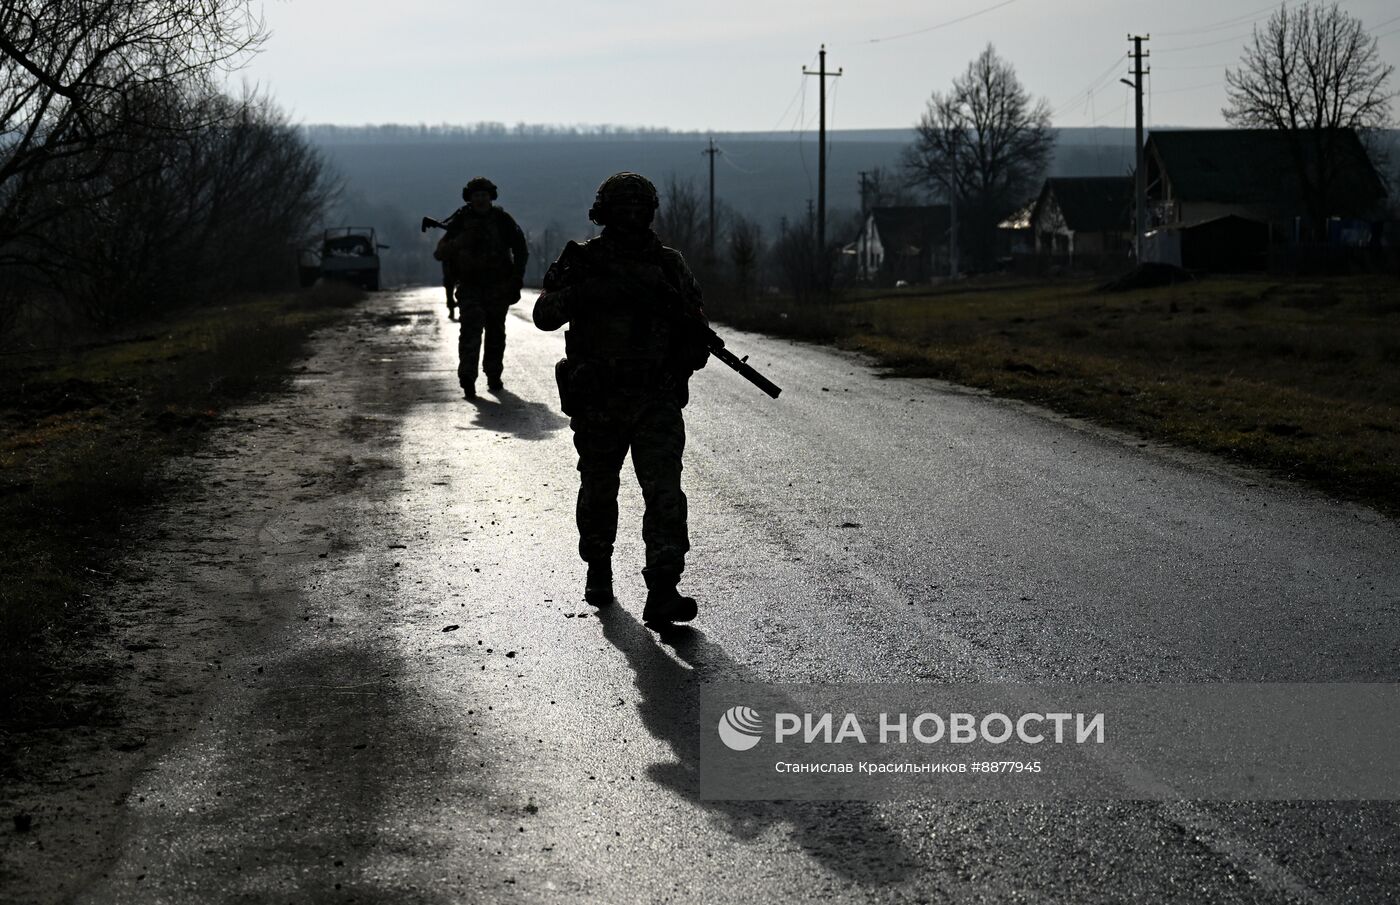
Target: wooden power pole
710,152
822,75
1140,162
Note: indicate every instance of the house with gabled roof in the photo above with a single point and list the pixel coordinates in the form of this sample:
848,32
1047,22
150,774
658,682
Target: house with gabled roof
1196,175
1229,199
1084,219
908,243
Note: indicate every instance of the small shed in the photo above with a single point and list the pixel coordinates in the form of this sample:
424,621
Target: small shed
1228,244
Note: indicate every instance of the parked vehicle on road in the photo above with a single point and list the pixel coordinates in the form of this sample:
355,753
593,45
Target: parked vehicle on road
351,253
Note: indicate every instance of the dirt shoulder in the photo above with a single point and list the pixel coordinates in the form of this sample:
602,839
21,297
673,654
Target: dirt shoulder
139,490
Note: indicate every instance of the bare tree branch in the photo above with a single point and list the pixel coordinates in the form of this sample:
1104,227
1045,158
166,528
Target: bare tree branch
1314,73
985,143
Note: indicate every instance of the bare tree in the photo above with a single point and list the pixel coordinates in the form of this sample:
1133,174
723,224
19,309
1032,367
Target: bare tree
803,272
545,247
986,144
745,254
75,76
680,222
188,212
887,188
1314,73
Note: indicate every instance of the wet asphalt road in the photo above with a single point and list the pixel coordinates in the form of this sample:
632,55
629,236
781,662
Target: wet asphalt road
413,704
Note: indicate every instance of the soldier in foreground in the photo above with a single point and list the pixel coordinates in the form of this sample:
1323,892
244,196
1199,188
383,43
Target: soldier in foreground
484,253
636,336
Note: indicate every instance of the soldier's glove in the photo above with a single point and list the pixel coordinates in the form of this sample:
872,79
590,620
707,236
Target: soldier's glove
697,358
695,347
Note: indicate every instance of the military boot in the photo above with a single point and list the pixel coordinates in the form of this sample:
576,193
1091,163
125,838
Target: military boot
598,586
666,605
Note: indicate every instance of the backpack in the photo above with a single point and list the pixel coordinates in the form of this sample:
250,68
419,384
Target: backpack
476,248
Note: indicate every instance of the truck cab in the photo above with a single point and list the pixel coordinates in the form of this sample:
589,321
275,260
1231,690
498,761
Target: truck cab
351,253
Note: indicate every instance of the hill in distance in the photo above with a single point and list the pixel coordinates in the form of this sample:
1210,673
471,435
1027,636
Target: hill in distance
395,174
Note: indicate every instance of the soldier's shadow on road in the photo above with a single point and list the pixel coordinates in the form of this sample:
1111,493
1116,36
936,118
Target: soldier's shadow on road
848,837
508,413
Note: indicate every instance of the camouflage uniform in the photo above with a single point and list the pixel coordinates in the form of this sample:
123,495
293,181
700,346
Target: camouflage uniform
624,384
486,253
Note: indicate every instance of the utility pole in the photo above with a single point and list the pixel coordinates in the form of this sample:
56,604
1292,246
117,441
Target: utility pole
822,76
863,252
1139,166
710,152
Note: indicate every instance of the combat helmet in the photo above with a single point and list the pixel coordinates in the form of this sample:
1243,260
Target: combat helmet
622,188
482,184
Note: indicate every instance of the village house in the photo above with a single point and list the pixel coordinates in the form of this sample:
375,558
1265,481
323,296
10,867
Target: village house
1084,221
902,243
1224,199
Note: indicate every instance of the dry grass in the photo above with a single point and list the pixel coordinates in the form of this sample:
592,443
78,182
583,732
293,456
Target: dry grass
83,433
1299,376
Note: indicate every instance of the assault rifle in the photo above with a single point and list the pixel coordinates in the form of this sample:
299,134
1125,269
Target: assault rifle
430,223
746,370
572,266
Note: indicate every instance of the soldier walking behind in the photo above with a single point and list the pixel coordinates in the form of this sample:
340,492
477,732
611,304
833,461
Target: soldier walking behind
632,306
485,253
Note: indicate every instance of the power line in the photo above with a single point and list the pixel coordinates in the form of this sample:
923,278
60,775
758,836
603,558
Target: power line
924,31
725,156
1123,146
1228,40
1080,95
788,109
1213,84
1254,16
1202,66
800,128
1107,113
801,86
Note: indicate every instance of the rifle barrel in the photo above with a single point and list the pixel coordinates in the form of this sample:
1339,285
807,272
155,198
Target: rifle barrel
746,370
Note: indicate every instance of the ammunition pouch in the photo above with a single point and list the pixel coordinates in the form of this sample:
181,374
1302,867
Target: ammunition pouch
592,384
563,372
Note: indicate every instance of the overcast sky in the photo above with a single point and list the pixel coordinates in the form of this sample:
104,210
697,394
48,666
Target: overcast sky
735,65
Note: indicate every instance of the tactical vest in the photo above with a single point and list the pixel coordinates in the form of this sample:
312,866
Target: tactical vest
626,325
478,248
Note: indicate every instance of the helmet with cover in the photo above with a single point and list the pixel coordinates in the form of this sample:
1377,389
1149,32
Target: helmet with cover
479,184
623,190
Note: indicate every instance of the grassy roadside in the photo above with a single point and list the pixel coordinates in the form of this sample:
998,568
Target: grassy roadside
1299,376
83,433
